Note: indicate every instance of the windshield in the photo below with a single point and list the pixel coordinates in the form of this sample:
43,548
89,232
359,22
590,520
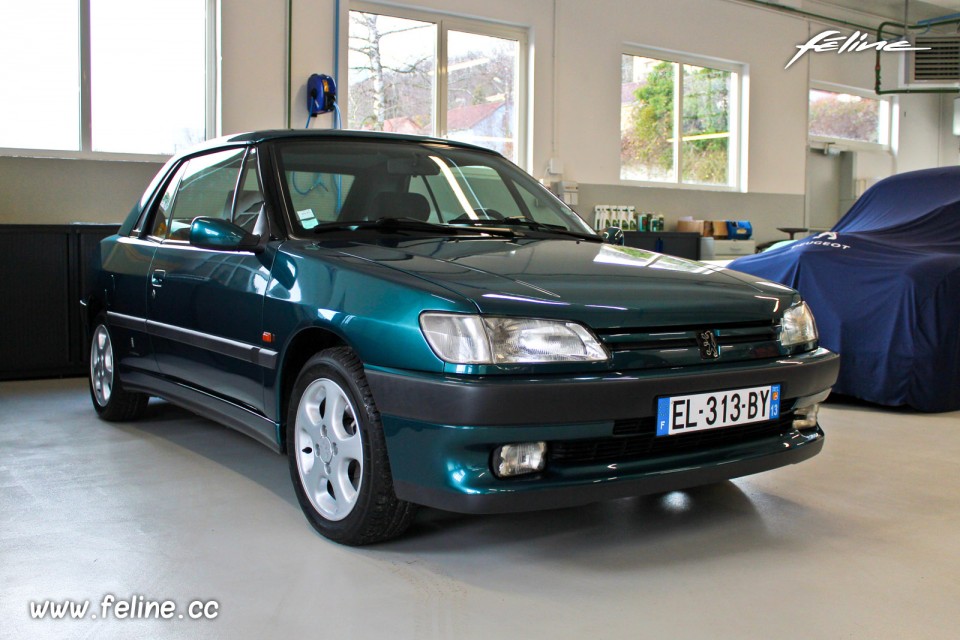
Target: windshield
333,182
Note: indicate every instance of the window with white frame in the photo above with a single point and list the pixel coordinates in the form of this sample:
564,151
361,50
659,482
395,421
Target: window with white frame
844,115
107,75
679,120
437,76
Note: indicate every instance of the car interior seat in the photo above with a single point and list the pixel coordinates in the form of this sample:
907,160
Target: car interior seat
400,205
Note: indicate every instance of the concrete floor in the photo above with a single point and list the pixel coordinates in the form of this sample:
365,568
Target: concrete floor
860,542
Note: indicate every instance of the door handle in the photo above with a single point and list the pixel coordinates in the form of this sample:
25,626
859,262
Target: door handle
156,279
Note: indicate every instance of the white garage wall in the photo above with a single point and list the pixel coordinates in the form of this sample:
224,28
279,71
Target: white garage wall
949,143
585,134
920,133
58,191
253,72
592,34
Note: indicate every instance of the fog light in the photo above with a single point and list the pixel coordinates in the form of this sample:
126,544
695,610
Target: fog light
805,417
518,459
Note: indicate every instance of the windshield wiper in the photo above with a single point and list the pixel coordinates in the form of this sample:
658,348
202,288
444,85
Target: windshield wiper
389,225
518,221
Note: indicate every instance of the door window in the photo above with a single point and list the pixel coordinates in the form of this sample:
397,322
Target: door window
246,210
162,216
205,187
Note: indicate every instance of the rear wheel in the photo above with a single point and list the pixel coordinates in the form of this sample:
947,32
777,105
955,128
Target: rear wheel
337,453
111,401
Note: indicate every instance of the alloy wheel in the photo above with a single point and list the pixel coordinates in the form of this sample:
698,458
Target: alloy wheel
329,449
101,365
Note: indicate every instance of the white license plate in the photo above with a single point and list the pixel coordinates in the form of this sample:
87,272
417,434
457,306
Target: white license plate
700,411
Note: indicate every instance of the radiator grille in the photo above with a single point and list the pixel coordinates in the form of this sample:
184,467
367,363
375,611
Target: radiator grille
679,346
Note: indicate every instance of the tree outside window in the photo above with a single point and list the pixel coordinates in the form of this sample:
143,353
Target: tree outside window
482,84
845,116
399,83
675,122
392,74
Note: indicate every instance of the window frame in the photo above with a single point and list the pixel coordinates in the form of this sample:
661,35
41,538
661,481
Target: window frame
143,229
86,152
736,148
446,23
887,133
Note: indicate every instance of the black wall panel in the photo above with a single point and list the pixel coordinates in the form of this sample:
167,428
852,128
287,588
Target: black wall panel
43,271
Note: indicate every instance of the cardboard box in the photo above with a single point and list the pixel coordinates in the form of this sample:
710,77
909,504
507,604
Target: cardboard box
691,226
715,228
706,228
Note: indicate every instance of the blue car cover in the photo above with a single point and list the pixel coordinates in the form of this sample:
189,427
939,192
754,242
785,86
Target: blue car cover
884,287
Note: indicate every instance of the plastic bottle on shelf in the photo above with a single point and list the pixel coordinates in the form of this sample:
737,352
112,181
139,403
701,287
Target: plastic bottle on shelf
601,214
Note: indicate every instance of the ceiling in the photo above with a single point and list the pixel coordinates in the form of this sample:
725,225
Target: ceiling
894,9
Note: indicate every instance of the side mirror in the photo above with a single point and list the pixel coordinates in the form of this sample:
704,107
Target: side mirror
214,233
613,235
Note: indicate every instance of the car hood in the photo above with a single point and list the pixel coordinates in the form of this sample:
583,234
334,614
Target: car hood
599,284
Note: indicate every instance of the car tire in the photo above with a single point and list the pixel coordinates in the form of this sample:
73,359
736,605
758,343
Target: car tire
111,401
338,456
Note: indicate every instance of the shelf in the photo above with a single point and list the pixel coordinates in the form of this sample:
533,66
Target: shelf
682,244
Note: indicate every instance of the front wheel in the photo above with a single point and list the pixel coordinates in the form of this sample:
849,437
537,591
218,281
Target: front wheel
337,453
111,401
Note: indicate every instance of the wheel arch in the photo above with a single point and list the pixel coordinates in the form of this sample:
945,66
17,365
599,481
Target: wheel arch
302,346
91,306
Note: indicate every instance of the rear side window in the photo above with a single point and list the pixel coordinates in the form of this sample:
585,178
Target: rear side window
204,186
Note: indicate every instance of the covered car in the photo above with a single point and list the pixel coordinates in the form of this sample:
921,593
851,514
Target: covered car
884,285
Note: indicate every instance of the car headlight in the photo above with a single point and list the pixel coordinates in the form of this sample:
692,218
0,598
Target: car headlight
470,339
798,326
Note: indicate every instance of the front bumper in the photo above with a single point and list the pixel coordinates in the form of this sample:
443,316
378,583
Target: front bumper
441,432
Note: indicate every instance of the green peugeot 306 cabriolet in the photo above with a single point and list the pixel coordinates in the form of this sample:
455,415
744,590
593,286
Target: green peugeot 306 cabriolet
418,322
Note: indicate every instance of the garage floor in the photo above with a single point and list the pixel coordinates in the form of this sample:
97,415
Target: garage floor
860,542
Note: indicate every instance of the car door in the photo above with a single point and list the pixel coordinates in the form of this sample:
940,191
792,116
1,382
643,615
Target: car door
125,279
205,306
